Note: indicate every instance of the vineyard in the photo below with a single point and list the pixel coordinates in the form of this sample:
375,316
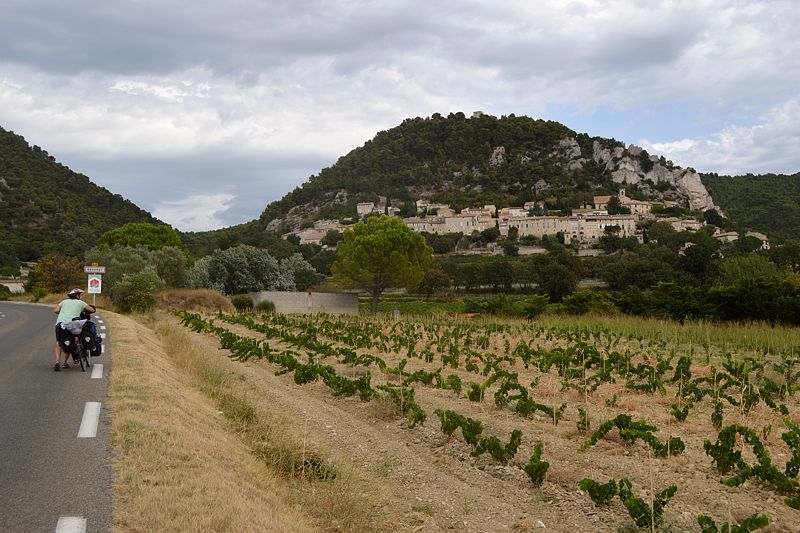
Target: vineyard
560,427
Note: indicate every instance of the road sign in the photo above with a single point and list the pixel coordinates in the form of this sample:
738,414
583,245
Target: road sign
95,284
94,269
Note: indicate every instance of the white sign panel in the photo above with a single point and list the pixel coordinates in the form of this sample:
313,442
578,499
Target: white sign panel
94,269
95,284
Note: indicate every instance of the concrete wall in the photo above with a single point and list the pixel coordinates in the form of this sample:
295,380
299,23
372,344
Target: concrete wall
309,302
14,285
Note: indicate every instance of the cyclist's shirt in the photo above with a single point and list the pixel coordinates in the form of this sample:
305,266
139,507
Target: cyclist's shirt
70,309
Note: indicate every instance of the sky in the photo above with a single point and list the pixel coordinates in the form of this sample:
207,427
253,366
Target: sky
203,112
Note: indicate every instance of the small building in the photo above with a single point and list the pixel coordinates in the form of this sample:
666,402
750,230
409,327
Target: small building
637,207
761,237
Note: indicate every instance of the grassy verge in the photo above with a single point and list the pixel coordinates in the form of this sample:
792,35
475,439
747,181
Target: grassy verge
194,455
177,466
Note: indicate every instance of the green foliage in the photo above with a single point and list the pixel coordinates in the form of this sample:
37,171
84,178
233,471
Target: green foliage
380,253
47,208
582,302
151,236
727,458
600,493
242,302
766,203
403,397
434,281
471,429
533,306
169,262
9,271
646,517
137,292
752,523
244,269
557,280
56,274
631,431
499,452
536,468
5,293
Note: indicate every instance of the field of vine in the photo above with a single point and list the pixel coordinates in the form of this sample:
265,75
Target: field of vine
551,426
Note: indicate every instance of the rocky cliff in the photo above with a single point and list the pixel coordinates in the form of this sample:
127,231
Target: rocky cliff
631,165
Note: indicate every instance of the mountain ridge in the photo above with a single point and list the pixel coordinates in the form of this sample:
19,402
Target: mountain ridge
484,159
46,207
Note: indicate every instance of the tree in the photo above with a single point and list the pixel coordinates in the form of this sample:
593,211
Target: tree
434,280
615,207
557,280
56,274
379,253
152,236
332,238
510,248
241,269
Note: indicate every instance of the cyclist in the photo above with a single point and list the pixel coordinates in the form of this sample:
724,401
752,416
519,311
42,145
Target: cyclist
67,310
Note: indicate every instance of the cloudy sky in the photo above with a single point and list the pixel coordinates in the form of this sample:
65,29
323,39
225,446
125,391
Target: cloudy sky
203,112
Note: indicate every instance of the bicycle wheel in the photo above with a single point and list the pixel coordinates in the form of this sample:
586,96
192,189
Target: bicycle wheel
79,352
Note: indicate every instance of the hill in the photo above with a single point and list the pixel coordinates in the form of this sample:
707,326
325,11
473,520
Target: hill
46,207
484,160
769,203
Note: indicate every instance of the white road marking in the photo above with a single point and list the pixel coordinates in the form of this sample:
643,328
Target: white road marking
97,371
71,524
91,416
102,335
102,327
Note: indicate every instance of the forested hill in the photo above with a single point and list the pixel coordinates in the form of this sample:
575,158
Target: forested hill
46,207
484,160
769,203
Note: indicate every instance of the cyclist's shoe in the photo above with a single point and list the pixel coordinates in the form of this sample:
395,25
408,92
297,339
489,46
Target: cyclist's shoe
57,367
64,365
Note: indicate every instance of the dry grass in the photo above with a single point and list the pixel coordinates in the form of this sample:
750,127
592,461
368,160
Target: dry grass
194,300
178,466
327,492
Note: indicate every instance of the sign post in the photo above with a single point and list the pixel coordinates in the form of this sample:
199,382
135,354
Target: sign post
95,280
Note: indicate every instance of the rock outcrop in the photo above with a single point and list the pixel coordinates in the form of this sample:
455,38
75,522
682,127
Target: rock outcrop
625,165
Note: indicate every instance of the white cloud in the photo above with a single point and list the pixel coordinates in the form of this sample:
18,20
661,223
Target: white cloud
312,80
769,146
195,213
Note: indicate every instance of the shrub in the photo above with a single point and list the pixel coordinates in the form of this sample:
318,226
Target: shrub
266,307
583,302
194,300
242,302
533,306
5,293
493,305
137,292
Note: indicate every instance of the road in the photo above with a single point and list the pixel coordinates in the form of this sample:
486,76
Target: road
50,479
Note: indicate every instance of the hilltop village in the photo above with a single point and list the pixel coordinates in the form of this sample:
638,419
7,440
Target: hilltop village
618,215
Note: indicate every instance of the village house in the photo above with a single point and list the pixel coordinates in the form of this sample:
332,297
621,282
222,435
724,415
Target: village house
637,207
731,236
586,229
461,223
317,232
682,224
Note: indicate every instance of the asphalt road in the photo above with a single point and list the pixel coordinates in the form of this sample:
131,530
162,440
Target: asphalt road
47,473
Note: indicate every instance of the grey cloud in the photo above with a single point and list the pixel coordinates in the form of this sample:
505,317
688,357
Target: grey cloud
255,181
